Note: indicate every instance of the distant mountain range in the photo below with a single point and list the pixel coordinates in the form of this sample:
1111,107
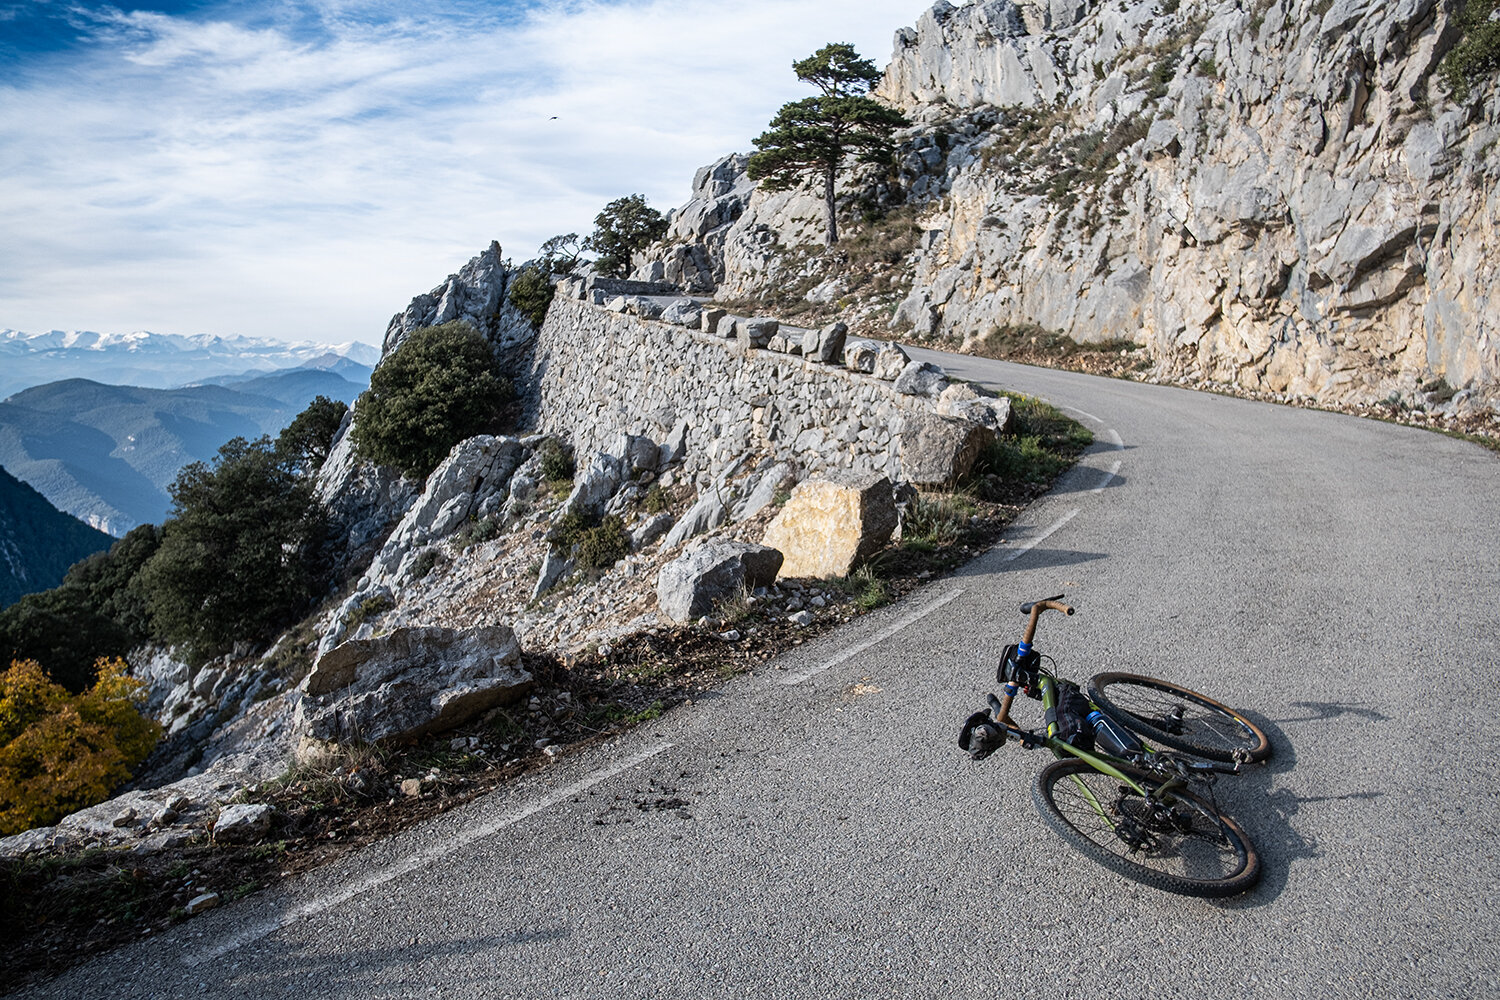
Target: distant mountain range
159,361
38,542
107,453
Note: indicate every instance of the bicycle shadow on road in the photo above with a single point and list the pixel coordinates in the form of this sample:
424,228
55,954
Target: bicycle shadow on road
1325,710
1267,816
1270,816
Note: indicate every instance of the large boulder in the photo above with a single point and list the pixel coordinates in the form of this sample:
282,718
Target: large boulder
829,526
921,378
961,400
938,451
410,682
690,585
890,361
825,345
860,356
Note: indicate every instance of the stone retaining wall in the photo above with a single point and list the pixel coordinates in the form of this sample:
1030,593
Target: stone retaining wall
597,374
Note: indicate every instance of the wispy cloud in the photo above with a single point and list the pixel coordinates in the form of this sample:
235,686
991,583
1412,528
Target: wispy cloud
303,173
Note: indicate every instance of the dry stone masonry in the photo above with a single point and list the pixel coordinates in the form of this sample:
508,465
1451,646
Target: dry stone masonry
747,385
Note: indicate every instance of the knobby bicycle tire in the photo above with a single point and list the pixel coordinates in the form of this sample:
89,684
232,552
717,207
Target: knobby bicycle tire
1184,845
1178,717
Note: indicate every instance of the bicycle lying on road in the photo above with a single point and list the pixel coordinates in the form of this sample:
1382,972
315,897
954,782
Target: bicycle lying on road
1146,813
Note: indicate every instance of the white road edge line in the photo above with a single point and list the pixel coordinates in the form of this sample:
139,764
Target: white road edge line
1108,477
419,860
1032,543
881,636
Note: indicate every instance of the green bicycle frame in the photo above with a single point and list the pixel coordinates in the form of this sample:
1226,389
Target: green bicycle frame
1101,764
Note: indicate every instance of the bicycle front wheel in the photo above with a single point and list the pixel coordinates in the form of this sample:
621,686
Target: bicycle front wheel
1179,843
1175,716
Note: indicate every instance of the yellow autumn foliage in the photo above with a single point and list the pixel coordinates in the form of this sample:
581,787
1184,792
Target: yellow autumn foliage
61,752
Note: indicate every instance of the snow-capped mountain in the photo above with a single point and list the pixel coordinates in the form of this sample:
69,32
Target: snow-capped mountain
156,360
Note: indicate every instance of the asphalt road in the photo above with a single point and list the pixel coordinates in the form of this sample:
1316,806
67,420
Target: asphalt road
813,831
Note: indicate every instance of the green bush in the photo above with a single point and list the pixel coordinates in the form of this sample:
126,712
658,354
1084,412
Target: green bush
936,519
238,559
656,500
305,441
1476,55
605,544
531,293
441,386
597,543
475,532
425,563
556,461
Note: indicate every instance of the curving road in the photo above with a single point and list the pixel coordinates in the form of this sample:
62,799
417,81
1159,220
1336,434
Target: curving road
812,831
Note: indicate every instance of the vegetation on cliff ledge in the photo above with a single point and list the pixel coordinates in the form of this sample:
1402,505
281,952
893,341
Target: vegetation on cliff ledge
441,386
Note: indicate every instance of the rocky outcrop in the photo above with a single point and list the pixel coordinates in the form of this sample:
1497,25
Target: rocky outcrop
829,526
690,586
479,295
471,483
1288,200
410,682
363,501
1279,196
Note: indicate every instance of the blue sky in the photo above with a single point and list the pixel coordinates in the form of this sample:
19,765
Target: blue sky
302,169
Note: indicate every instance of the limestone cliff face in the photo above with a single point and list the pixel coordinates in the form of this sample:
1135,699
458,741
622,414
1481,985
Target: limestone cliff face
1277,194
1293,204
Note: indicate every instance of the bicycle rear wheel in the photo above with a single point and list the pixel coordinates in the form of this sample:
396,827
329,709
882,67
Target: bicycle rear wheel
1181,843
1175,716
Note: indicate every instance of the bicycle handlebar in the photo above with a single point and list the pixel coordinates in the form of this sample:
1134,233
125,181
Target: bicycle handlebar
1035,609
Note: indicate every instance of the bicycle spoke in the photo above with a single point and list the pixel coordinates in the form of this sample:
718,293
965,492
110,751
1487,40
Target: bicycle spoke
1181,840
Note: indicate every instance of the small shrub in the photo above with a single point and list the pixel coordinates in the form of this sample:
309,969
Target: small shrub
605,544
598,543
656,500
1161,75
1208,68
868,590
425,563
370,607
477,532
935,519
531,292
1476,55
556,461
647,714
